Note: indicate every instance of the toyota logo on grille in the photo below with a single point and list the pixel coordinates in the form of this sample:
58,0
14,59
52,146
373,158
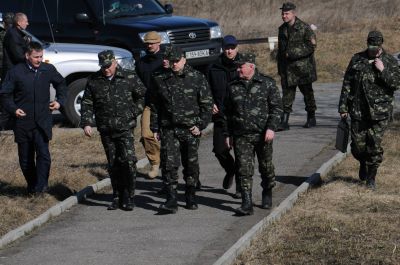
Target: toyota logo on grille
192,35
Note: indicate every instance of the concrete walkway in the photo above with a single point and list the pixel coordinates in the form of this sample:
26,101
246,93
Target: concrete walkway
89,234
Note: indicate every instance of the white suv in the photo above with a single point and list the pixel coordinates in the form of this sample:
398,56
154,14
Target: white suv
76,62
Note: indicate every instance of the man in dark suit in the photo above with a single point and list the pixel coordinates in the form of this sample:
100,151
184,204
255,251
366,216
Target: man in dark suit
25,94
14,43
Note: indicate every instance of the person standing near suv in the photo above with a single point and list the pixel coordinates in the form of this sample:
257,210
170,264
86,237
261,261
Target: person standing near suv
25,94
115,97
296,64
15,43
145,67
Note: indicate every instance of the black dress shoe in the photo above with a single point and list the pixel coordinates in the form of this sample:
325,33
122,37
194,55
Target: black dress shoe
115,204
129,204
228,181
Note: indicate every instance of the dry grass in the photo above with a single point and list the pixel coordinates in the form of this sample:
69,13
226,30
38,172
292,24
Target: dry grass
342,27
77,161
341,222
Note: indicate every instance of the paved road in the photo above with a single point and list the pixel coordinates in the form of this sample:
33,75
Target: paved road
89,234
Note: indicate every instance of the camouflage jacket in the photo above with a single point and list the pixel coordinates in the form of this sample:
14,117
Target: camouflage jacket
115,103
296,46
366,92
180,100
253,106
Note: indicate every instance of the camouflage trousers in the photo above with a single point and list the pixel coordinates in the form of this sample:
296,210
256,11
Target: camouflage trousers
179,143
366,140
246,147
289,94
120,151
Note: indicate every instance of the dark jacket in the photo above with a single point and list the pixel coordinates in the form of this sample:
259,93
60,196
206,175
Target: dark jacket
25,89
14,46
367,94
115,103
253,106
219,75
296,46
146,66
180,100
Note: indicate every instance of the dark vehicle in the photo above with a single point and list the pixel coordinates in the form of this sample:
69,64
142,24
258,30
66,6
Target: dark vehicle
119,23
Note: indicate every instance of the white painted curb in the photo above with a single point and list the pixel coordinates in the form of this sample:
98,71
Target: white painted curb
244,242
58,209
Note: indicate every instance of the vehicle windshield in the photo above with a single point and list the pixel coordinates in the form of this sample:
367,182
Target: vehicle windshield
129,8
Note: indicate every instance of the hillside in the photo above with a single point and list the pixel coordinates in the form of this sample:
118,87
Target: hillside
342,26
248,19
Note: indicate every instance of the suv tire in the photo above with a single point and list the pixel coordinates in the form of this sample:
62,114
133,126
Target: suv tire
73,104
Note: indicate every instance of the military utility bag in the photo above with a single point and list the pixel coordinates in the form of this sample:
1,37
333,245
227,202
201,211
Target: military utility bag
342,135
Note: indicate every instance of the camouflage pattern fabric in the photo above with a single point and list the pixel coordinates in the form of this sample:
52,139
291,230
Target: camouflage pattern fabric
120,152
177,141
296,46
182,100
366,139
116,103
289,94
367,95
245,147
253,106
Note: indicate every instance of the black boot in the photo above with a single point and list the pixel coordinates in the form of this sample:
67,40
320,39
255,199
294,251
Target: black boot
311,121
284,125
190,196
362,172
171,204
114,204
238,193
247,204
228,180
198,185
129,204
371,177
266,202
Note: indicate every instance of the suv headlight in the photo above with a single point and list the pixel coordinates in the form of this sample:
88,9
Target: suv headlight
163,34
215,32
127,63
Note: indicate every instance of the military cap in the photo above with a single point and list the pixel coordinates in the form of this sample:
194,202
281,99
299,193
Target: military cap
245,58
173,53
229,40
375,38
106,57
288,6
152,37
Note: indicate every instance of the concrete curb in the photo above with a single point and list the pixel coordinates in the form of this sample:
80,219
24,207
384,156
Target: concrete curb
244,242
58,209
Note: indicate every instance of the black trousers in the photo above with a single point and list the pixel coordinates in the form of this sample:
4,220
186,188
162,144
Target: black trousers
34,159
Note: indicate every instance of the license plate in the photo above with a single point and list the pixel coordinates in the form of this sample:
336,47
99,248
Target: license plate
197,54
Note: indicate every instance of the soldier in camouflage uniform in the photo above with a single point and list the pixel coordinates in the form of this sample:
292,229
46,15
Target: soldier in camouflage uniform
115,96
253,108
182,105
296,64
367,96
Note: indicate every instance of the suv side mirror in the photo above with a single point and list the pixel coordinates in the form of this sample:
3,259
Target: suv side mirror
83,17
168,8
